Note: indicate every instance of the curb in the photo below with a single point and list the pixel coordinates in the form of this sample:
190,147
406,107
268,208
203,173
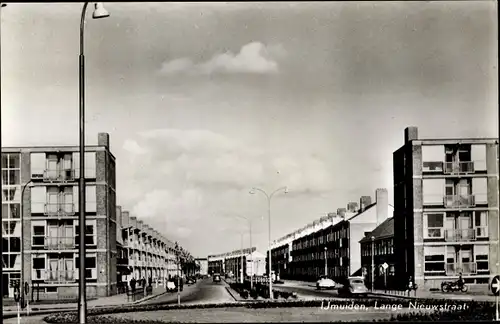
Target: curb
231,294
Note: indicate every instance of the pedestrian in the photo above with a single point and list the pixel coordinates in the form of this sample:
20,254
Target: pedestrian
132,285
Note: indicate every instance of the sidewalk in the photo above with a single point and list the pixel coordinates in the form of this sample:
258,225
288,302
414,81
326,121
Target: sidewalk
115,300
436,295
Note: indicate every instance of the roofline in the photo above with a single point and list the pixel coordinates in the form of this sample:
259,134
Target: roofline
367,239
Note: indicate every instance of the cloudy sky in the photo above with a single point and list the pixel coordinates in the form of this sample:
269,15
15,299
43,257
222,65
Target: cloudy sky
204,101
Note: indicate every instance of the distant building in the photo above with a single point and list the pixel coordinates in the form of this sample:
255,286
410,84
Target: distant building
380,244
446,209
231,262
203,264
340,239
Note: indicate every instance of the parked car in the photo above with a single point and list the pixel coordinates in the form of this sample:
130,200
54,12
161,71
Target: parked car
190,280
171,287
325,283
216,277
354,286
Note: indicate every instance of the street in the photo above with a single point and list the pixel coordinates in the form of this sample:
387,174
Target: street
203,291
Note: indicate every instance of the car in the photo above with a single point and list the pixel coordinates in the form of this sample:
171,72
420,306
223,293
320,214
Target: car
216,277
325,283
171,287
354,286
190,280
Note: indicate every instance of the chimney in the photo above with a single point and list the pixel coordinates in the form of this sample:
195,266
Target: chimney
352,207
125,218
103,140
411,133
364,202
332,215
382,200
341,212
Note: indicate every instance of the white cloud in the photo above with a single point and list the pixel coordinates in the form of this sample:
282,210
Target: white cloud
254,58
188,177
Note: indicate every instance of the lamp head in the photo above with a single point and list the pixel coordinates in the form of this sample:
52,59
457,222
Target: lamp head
4,5
252,191
286,190
99,11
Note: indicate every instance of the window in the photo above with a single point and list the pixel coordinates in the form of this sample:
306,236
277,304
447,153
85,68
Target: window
480,190
434,258
481,253
38,266
11,194
433,225
481,223
90,233
38,235
432,191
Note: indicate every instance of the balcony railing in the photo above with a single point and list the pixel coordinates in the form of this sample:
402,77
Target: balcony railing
458,167
60,276
59,175
59,209
457,201
432,166
466,268
60,243
457,235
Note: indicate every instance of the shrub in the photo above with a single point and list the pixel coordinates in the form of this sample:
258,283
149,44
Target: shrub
276,294
476,311
244,293
254,293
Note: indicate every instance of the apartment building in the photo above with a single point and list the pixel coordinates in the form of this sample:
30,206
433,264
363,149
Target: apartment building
231,262
341,241
144,252
377,249
40,185
446,209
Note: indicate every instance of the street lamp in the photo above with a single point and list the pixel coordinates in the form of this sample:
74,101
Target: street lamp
373,260
250,233
326,263
99,12
21,284
269,197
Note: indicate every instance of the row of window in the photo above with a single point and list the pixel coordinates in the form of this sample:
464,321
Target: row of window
380,247
342,253
456,226
336,271
329,237
455,193
454,259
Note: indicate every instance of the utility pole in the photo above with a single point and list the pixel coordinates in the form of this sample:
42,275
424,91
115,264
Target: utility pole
326,263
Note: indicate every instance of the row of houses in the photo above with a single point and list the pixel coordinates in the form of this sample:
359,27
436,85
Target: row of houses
40,224
444,222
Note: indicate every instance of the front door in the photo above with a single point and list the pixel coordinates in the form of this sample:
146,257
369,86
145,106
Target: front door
465,225
465,257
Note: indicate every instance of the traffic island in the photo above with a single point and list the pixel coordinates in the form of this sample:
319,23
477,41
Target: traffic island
421,310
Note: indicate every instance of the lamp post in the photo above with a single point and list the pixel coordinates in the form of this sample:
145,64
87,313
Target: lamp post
250,233
178,275
269,197
373,260
21,300
326,263
1,235
99,12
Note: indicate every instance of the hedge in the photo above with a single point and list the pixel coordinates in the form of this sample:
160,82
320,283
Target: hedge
476,311
262,290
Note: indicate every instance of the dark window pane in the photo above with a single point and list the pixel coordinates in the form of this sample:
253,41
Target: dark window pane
434,266
12,226
89,229
482,265
88,273
90,262
5,260
14,161
38,230
14,177
435,220
12,260
5,177
39,263
5,159
38,240
5,244
89,240
15,210
481,257
15,244
437,257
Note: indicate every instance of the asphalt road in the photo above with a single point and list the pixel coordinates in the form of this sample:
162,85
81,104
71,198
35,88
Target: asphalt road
203,291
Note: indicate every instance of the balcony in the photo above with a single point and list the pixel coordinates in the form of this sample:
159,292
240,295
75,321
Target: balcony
466,268
458,167
459,201
59,175
460,235
59,243
59,276
59,209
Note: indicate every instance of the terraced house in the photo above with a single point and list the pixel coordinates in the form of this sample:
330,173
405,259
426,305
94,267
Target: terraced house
339,243
446,209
